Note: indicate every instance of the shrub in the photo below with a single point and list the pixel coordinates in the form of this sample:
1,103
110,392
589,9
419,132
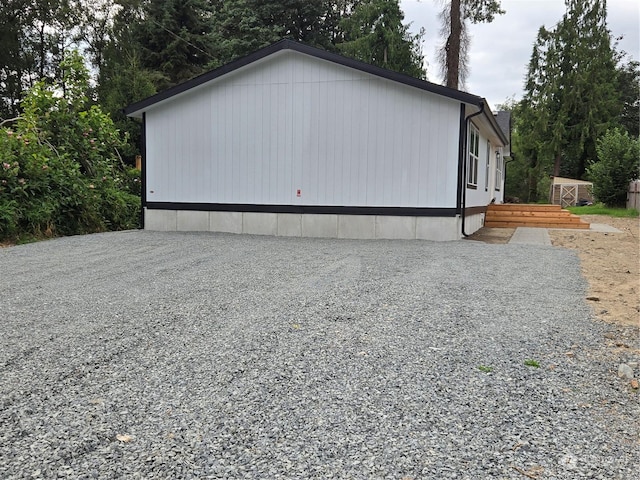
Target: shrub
618,164
61,171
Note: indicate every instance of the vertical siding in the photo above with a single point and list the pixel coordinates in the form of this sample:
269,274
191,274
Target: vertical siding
296,122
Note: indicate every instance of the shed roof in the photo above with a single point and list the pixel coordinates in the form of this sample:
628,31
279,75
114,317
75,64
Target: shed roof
570,181
137,109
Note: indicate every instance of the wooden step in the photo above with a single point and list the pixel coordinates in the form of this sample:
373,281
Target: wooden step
531,215
524,207
577,226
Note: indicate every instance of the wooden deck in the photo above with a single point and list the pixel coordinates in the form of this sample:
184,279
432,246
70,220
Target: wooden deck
512,215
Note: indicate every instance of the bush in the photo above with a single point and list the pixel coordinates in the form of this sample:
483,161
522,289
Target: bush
618,164
61,172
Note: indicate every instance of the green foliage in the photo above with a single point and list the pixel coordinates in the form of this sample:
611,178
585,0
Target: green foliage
174,39
532,363
601,209
629,88
61,173
571,97
485,369
374,33
618,164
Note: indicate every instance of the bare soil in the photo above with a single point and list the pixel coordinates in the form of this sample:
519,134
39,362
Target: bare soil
611,265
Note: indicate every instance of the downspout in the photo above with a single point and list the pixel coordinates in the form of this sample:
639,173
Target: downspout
465,155
143,171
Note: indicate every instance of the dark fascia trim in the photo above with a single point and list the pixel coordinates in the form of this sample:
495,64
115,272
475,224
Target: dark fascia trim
287,44
475,210
305,209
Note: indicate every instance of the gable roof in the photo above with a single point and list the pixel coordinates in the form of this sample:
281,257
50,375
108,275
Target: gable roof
138,108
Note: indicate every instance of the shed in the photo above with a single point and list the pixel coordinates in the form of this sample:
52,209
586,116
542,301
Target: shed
296,141
568,192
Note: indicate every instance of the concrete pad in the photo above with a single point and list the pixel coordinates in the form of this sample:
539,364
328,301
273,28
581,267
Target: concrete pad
320,226
603,227
594,227
356,226
160,220
227,222
255,223
530,236
192,221
289,225
401,228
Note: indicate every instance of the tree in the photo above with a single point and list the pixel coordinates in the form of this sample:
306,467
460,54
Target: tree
33,35
374,33
454,17
570,93
629,88
61,171
173,37
618,164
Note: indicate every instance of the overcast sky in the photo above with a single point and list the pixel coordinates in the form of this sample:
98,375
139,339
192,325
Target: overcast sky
500,51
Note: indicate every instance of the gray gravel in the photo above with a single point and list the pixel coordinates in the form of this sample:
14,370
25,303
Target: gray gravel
182,355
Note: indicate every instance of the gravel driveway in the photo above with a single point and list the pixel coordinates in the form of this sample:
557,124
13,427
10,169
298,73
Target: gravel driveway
182,355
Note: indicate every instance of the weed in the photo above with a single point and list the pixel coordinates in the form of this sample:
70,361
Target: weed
532,363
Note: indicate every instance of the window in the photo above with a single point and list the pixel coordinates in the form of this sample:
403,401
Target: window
474,155
499,161
486,171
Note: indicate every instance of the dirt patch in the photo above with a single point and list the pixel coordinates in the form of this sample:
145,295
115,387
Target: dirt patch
492,235
611,264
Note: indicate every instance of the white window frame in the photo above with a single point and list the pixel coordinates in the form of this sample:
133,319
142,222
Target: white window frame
474,157
487,167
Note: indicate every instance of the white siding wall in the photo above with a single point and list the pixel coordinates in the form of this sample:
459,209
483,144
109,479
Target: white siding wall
296,122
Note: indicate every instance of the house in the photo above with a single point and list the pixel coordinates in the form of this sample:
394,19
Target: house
296,141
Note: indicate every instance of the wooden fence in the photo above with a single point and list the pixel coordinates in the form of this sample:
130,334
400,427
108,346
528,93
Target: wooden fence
633,195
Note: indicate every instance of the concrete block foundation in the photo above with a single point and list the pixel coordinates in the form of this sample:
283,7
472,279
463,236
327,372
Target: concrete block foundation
313,225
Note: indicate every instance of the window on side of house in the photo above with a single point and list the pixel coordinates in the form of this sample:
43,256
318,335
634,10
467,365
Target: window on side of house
486,171
474,157
499,167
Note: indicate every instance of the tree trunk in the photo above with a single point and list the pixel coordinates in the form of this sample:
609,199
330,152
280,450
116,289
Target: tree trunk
532,195
453,46
556,165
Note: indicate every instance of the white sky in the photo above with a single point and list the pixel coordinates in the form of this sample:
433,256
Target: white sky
500,51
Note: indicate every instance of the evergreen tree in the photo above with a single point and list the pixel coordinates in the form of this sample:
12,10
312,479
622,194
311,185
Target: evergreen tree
629,88
570,92
174,38
374,33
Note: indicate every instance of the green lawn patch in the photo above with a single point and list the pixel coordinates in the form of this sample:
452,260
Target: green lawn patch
600,209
